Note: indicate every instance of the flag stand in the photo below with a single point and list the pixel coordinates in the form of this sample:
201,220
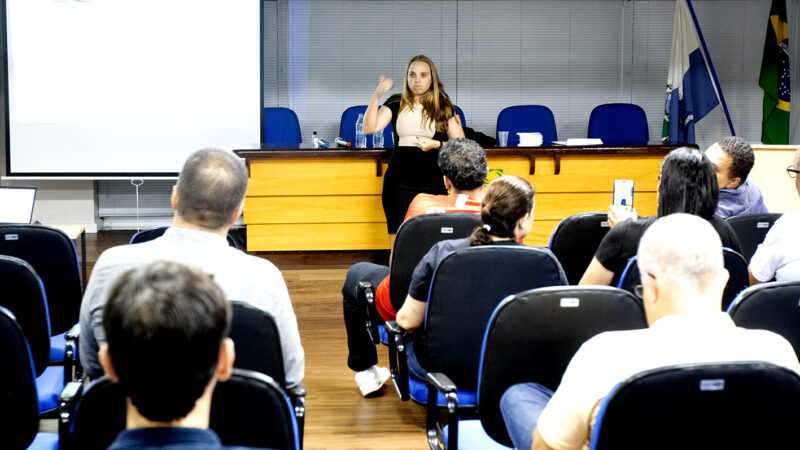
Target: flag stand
711,66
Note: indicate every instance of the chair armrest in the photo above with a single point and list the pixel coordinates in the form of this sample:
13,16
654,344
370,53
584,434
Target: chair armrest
72,364
398,364
67,401
439,382
366,298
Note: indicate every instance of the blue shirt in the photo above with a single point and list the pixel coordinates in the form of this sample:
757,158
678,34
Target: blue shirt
163,438
746,199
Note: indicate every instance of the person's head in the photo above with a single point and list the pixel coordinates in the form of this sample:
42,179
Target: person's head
463,162
687,184
681,266
422,82
506,211
732,158
166,326
796,166
210,189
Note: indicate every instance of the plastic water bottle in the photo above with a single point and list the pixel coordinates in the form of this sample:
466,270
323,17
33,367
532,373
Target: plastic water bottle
377,140
361,140
314,140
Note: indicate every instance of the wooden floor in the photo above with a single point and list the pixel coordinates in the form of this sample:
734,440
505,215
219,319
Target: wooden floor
337,417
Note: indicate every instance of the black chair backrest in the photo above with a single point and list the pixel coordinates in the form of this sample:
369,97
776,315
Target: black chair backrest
533,335
751,230
729,405
248,409
738,278
19,407
257,341
467,286
575,241
770,306
24,296
156,231
53,255
415,237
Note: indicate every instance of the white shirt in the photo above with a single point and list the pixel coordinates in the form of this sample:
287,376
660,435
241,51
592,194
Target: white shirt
240,276
779,255
409,126
609,358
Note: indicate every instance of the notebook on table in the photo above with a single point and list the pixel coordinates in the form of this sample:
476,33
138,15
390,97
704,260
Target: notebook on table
16,204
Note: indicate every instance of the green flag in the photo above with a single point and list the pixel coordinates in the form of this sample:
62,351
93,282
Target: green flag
774,78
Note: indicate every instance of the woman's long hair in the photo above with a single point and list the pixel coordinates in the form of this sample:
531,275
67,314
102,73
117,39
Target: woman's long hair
436,104
688,184
507,199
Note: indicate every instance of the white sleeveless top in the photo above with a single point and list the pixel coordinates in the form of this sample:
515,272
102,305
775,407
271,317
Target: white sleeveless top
409,126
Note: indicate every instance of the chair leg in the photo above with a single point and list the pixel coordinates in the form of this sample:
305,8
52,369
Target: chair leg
366,298
398,364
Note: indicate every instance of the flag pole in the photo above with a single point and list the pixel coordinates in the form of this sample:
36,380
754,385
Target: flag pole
711,66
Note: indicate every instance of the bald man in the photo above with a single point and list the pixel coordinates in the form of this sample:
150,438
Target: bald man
683,277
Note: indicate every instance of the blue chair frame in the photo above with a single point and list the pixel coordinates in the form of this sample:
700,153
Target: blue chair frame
619,124
527,119
281,127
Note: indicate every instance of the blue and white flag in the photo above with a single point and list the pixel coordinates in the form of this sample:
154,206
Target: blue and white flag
691,93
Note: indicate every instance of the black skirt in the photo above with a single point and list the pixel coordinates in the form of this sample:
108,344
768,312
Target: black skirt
411,171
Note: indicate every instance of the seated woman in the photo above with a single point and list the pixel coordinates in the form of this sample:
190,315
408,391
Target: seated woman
507,215
687,184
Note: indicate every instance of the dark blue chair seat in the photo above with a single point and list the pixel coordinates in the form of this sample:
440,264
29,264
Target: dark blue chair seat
281,127
527,119
619,124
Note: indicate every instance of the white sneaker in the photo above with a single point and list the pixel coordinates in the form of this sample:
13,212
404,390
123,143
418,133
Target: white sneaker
370,381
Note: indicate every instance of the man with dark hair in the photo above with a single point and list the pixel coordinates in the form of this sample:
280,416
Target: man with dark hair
733,158
208,199
170,320
463,163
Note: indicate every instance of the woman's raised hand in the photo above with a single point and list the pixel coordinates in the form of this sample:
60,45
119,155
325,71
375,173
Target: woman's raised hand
384,85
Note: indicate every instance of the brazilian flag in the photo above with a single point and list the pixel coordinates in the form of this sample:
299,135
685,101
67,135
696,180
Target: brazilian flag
774,78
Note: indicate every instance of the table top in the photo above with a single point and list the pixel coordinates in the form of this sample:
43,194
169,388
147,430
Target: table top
73,231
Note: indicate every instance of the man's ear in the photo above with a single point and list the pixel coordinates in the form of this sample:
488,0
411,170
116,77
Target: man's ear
227,354
105,361
734,183
448,185
173,199
237,213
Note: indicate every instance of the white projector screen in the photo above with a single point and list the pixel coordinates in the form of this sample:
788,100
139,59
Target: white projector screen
129,87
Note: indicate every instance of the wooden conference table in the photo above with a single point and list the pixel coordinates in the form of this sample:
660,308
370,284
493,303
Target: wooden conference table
315,199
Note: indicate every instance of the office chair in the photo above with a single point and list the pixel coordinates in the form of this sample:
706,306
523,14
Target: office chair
465,289
527,119
258,348
281,127
24,296
157,231
619,124
722,405
751,229
413,240
19,407
531,337
249,409
770,306
461,116
575,240
738,278
347,127
53,256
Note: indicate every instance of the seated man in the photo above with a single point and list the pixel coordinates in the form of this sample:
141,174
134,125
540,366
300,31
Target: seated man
683,277
733,158
166,347
208,199
463,163
778,257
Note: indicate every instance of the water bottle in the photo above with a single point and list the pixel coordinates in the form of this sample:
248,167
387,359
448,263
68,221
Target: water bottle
361,140
377,140
314,140
323,143
341,142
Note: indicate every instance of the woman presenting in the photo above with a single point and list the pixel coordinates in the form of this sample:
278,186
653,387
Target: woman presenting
423,118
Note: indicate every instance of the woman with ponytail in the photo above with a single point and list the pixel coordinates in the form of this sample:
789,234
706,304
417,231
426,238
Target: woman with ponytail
507,215
687,184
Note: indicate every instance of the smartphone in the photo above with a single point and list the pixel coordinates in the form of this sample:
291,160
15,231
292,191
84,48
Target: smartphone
623,193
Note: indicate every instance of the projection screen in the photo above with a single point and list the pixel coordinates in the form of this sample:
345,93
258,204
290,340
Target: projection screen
129,87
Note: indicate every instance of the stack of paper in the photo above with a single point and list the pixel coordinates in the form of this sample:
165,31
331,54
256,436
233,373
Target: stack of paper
530,139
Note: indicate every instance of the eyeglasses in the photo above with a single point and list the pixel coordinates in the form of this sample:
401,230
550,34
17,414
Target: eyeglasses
792,171
639,289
